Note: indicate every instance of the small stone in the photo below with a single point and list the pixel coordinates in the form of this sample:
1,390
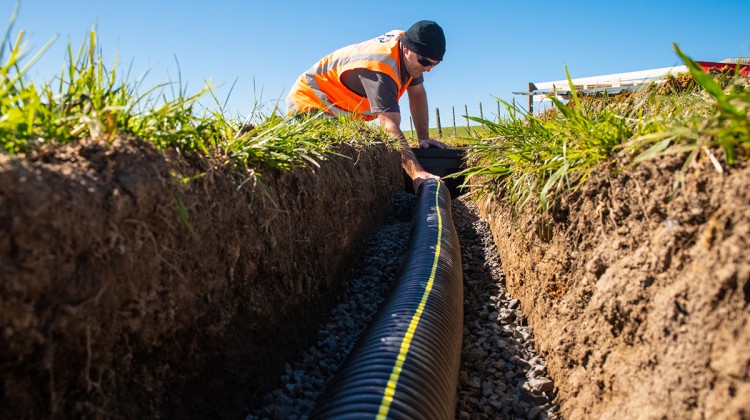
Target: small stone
506,315
282,412
464,375
475,355
534,413
542,384
534,397
537,371
487,389
497,404
518,361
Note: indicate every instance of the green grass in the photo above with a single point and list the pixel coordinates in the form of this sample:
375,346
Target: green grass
532,158
89,99
461,137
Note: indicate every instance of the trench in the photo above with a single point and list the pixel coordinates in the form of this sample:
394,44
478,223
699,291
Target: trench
483,367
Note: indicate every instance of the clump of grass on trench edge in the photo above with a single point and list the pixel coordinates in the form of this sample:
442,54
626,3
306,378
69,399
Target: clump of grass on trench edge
529,157
720,122
90,100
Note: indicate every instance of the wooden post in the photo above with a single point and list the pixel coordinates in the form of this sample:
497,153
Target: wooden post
481,113
498,112
411,126
466,115
437,117
532,88
453,108
513,102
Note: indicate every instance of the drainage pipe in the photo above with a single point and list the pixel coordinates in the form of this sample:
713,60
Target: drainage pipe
406,363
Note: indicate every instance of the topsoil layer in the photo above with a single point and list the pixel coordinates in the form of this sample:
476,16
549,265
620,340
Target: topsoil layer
639,296
126,292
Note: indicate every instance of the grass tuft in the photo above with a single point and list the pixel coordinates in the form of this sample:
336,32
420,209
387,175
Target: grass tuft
532,158
90,99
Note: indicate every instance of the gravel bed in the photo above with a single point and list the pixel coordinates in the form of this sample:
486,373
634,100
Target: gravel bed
501,375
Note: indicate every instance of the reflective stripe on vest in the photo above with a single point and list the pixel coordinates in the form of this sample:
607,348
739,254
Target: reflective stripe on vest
320,87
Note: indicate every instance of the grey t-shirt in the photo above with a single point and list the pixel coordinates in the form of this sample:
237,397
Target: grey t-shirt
379,89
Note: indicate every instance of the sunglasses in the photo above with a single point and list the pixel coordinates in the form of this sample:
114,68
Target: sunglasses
425,62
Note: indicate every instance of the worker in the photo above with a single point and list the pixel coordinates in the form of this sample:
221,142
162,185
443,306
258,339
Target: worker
366,80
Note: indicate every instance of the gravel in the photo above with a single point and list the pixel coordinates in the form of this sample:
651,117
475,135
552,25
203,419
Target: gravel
501,374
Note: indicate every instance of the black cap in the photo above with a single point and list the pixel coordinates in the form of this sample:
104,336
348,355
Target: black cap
427,39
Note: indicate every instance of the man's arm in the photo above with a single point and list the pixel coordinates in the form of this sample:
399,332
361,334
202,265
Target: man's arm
391,123
421,116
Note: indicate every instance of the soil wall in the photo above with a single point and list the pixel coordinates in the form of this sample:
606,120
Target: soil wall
639,300
126,292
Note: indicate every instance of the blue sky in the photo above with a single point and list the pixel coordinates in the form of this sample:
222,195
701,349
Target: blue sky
493,47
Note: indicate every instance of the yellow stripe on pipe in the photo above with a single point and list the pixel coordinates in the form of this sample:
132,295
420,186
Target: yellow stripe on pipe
390,389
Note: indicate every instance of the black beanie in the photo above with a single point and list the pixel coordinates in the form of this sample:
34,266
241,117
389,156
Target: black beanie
426,38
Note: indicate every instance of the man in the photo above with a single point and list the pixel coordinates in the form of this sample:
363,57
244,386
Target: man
366,80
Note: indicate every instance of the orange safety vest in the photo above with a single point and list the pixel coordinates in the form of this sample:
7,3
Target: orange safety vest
321,88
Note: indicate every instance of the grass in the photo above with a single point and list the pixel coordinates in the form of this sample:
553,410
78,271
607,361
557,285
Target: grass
462,136
89,99
533,158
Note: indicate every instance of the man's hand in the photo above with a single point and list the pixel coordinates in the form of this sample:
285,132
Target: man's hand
390,122
427,143
421,177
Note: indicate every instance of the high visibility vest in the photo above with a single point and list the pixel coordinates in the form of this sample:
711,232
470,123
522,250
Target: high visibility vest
321,88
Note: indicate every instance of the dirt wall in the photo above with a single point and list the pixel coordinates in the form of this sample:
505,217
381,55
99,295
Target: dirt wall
127,292
638,298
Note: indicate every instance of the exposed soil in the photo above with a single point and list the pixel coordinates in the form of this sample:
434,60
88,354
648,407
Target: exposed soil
125,293
638,297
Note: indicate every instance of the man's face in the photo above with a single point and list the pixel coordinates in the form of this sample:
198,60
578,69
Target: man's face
416,64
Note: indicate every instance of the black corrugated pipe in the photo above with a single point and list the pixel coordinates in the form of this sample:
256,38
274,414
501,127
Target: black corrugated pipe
405,364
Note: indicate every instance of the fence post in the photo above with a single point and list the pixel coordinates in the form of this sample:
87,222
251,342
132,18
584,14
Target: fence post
411,127
453,108
532,88
498,112
437,117
466,115
481,113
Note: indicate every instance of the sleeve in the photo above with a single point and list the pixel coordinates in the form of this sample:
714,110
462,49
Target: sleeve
381,91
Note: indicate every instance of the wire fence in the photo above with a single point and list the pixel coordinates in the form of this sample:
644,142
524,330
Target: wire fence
460,125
